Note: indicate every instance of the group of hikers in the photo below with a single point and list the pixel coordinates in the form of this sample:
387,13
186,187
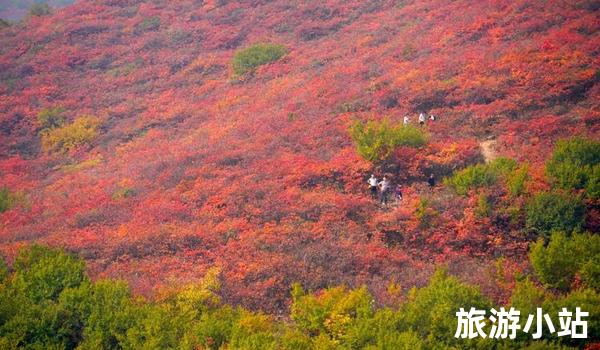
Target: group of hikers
422,119
383,188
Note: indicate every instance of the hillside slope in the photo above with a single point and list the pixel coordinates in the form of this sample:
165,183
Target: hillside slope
196,167
15,10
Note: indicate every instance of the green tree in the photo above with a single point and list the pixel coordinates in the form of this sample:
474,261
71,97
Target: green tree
575,165
431,311
557,264
215,327
376,140
554,211
517,180
41,273
482,175
248,59
526,297
332,313
588,300
104,310
30,315
254,331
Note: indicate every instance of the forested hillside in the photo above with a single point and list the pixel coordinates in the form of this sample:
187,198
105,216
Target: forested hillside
161,140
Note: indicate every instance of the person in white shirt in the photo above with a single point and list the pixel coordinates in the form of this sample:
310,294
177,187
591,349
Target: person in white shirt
421,119
373,185
432,118
384,187
406,120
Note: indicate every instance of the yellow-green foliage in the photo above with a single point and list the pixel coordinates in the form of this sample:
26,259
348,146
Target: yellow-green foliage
123,192
425,213
48,302
86,164
50,118
517,180
430,311
6,199
557,263
484,207
554,211
248,59
68,137
39,9
10,199
376,140
484,175
527,296
575,164
333,313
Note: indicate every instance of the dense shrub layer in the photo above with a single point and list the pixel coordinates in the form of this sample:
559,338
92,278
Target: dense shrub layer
485,175
248,59
376,140
68,137
558,263
575,165
48,302
552,211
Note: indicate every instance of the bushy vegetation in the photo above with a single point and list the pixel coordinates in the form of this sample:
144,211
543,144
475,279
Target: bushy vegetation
517,180
248,59
40,9
485,175
6,199
554,211
123,192
484,207
48,302
376,140
575,165
527,296
147,24
558,263
568,266
219,171
68,137
50,118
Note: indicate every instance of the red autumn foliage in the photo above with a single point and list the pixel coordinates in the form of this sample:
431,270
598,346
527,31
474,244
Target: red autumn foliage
195,168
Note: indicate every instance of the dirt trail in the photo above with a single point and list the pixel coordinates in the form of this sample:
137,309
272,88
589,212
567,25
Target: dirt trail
488,149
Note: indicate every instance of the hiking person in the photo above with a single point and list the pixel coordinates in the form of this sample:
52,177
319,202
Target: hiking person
432,118
384,187
406,120
373,185
431,180
421,119
398,194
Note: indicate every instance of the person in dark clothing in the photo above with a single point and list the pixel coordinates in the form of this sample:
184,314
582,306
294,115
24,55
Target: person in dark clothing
384,188
431,181
398,194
